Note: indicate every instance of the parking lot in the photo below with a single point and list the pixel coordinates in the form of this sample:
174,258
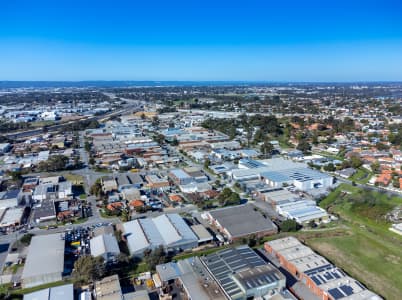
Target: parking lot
77,244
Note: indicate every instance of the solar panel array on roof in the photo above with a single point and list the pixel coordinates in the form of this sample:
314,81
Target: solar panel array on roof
226,262
323,274
326,276
258,276
341,292
299,174
346,290
251,164
336,293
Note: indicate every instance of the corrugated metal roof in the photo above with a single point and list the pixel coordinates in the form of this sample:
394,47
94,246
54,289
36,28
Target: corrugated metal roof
182,227
45,256
63,292
136,239
166,230
105,243
180,174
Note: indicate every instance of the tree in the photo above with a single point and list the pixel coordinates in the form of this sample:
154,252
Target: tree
155,121
330,167
259,136
155,257
96,188
315,139
249,135
87,269
381,147
266,148
207,163
160,139
375,167
123,259
125,215
77,161
234,199
252,241
228,197
53,164
395,182
175,142
355,161
304,146
93,124
26,239
87,146
312,224
396,138
57,162
289,225
16,176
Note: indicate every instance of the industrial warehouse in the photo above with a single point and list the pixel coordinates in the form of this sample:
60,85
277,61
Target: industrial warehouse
278,172
253,223
168,230
242,274
323,278
45,260
234,273
292,206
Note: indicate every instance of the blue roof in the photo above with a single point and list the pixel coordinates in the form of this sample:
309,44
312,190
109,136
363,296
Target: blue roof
250,163
276,176
172,131
179,173
298,174
250,152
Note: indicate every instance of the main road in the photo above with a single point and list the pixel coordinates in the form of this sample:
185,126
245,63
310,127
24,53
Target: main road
132,107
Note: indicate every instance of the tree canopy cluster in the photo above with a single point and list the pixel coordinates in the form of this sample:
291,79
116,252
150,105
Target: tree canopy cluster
369,205
266,125
228,197
155,257
6,126
395,138
88,269
81,125
53,164
96,188
289,225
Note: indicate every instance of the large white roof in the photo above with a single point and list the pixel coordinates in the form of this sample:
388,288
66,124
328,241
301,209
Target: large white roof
45,256
136,239
166,230
105,243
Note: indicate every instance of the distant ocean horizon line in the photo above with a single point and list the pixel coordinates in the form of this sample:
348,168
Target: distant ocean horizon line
167,83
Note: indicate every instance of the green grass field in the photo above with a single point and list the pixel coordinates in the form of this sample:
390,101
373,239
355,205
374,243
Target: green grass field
364,248
42,123
366,257
361,176
74,178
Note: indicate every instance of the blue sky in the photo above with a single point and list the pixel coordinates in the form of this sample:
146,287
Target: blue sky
201,40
